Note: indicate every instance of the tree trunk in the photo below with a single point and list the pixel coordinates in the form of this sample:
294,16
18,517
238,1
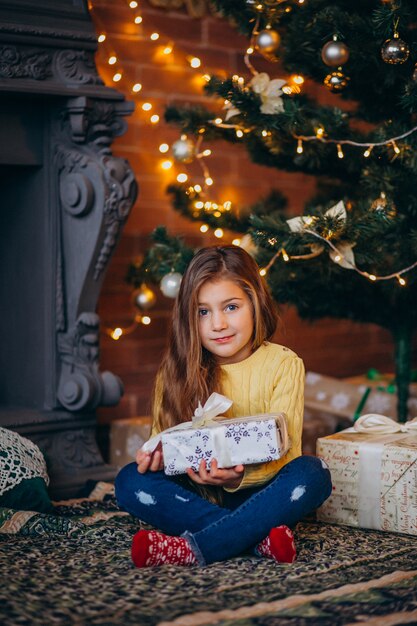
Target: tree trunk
402,340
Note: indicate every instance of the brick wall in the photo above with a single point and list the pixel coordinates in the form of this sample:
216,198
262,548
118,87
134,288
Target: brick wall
330,347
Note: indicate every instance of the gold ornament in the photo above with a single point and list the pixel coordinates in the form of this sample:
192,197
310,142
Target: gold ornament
267,41
383,207
143,298
335,53
336,81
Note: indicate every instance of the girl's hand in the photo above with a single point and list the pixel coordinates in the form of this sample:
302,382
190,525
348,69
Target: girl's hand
152,461
230,477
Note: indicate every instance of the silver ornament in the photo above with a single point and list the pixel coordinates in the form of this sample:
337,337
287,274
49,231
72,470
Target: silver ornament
143,298
170,284
395,51
334,53
183,150
267,41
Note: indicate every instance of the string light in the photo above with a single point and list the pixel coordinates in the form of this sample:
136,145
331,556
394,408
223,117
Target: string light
368,151
182,178
138,19
101,38
117,77
218,233
300,146
340,151
137,87
112,60
146,106
164,147
166,165
154,36
204,228
154,119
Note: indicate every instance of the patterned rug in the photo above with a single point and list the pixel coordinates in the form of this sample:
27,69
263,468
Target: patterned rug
74,568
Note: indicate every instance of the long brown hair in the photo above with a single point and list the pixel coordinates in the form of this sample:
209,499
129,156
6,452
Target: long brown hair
189,373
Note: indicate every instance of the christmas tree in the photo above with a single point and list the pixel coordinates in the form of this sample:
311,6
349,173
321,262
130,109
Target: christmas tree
353,253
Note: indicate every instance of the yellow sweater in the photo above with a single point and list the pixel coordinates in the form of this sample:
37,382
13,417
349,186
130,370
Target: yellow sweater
269,381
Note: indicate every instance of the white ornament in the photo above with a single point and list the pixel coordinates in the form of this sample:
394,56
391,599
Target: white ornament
269,91
170,284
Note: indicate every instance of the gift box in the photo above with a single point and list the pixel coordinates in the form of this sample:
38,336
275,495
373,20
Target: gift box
244,440
374,475
350,398
126,437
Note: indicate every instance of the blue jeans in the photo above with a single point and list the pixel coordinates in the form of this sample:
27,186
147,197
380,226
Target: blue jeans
218,532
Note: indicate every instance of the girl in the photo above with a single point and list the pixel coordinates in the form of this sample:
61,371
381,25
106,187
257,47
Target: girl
222,321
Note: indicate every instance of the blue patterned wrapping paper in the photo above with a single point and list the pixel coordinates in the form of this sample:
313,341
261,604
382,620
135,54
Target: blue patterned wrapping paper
254,439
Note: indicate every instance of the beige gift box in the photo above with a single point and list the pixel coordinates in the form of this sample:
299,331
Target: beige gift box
126,437
374,478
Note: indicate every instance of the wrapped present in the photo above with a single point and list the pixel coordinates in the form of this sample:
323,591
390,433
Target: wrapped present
244,440
352,397
374,475
126,437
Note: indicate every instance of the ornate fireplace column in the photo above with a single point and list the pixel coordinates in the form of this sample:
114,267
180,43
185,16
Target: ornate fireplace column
77,198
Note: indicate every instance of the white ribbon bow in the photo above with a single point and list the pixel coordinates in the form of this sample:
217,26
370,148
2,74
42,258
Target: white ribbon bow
297,224
203,415
381,424
215,405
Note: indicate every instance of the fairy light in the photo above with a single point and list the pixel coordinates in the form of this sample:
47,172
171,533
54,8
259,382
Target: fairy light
101,38
209,181
239,133
227,205
204,228
197,188
207,77
320,131
112,60
182,178
372,277
168,49
146,320
138,19
117,76
300,146
285,256
298,79
236,242
218,120
146,106
154,119
395,148
164,147
199,204
218,233
166,165
116,333
262,271
136,87
340,151
368,151
206,153
154,36
133,4
401,281
194,62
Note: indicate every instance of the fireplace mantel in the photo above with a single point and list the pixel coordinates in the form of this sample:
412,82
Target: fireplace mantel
64,201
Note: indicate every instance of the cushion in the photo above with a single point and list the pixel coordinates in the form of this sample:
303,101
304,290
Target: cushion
23,474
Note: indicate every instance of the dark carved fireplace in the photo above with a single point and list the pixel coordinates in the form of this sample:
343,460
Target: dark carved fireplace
64,200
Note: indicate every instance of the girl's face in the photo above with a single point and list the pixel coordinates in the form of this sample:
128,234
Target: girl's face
225,320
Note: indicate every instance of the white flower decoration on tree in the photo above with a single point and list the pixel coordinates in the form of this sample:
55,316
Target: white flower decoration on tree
269,91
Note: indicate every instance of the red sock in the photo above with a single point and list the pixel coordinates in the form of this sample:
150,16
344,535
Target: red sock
279,545
150,548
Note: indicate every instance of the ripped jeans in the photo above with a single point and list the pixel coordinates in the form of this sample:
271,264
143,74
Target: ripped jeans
218,532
